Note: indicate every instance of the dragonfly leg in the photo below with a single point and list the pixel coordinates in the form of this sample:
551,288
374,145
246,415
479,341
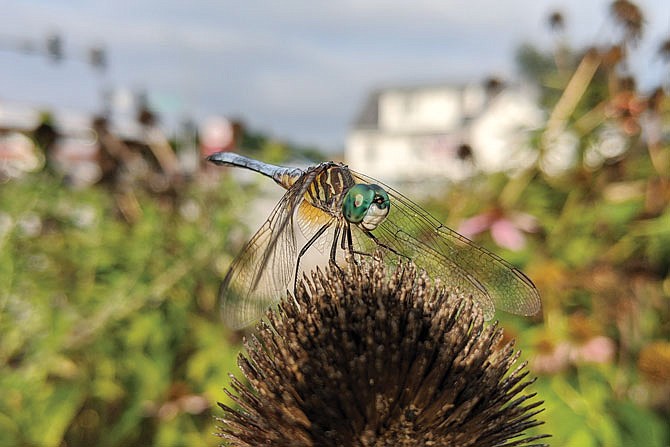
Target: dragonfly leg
333,250
347,243
391,249
304,249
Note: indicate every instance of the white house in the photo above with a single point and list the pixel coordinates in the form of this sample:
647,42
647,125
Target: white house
443,132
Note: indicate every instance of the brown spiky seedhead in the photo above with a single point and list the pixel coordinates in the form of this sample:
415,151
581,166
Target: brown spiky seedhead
556,21
366,358
630,17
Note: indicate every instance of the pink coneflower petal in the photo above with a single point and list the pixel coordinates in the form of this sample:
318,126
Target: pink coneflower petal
507,235
597,350
475,225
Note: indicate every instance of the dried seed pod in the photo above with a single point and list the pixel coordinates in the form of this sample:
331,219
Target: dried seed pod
367,358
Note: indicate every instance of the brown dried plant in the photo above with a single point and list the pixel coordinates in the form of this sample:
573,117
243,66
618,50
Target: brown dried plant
364,358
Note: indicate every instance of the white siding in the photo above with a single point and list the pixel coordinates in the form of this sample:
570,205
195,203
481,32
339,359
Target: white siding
434,110
420,130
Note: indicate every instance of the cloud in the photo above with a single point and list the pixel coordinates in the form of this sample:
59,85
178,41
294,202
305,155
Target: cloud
298,67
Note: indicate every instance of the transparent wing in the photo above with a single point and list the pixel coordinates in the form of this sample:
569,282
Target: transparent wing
264,270
310,220
410,232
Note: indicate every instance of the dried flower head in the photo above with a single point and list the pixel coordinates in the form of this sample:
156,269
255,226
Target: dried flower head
493,85
364,358
629,16
654,362
664,50
556,21
656,98
613,55
464,152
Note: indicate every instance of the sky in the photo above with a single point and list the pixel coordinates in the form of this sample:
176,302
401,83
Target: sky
298,70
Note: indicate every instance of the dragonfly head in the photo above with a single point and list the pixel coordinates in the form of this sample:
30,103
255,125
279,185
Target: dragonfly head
366,205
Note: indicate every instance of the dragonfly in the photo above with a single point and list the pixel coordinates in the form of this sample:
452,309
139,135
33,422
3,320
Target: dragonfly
349,215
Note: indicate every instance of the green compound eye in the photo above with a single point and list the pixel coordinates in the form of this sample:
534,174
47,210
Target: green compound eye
366,205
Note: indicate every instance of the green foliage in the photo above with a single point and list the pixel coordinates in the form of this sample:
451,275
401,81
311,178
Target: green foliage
109,332
600,254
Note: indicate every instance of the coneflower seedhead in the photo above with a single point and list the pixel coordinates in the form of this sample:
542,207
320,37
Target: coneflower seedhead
629,16
363,358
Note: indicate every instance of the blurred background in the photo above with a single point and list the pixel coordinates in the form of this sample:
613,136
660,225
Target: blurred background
539,129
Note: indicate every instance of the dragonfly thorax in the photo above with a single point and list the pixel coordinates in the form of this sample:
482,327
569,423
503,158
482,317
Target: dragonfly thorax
327,187
366,205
